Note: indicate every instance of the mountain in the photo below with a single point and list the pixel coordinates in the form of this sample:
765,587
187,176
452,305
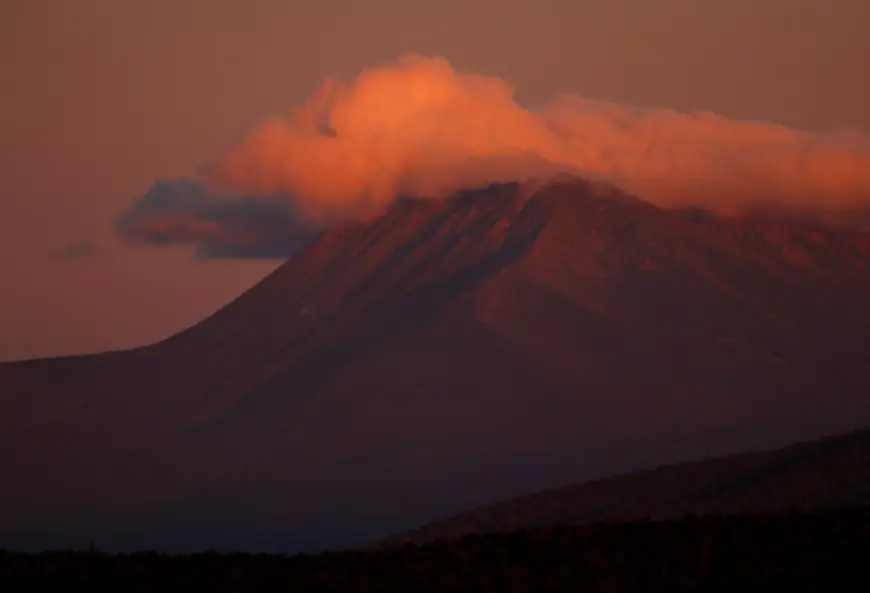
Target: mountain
447,355
830,473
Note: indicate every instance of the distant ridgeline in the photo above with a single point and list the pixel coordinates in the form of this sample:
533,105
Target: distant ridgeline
829,473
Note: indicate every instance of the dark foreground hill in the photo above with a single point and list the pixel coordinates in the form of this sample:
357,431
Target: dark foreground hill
445,356
819,553
826,474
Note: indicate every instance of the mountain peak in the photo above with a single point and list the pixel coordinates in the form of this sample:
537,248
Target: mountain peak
448,354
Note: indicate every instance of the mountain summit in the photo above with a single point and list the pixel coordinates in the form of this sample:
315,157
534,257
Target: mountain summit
446,355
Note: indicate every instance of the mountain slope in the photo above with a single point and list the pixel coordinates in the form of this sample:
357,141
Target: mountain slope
829,473
444,356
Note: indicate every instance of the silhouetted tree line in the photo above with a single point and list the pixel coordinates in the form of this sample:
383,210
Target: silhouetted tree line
825,552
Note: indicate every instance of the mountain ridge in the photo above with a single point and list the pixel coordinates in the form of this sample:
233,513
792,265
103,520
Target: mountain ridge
448,354
811,476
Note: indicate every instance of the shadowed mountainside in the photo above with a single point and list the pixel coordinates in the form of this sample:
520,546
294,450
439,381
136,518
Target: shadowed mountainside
826,474
444,356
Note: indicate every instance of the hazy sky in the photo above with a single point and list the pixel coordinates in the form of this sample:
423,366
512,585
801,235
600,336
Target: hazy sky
100,98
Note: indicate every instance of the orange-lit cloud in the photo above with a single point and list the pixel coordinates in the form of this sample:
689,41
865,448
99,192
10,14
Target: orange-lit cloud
418,127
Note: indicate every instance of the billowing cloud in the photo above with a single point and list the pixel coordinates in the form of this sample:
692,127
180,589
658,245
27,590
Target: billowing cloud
418,127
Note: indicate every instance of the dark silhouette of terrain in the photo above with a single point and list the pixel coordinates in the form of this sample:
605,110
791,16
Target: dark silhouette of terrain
825,474
822,552
445,356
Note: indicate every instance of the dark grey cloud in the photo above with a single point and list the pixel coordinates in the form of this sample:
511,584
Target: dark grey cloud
184,212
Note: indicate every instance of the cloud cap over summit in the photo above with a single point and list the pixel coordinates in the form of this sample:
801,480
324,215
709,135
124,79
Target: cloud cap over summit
418,127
